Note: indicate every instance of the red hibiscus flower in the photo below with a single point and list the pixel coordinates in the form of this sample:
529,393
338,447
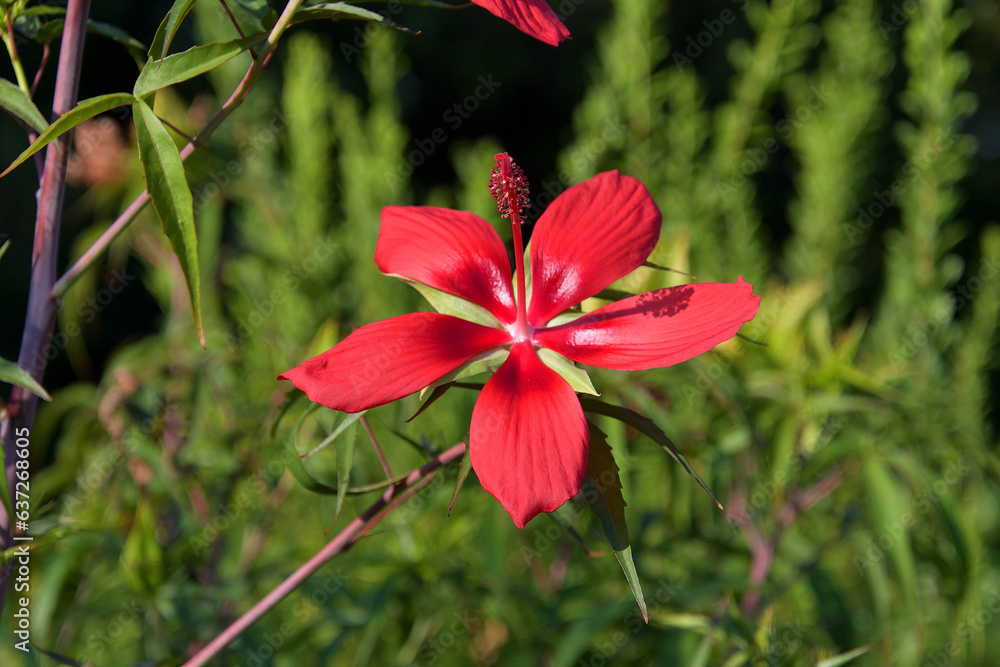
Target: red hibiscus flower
534,17
528,440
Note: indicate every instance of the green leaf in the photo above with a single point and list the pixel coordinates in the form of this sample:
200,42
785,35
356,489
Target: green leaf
345,460
342,10
602,487
463,471
17,102
11,373
449,304
171,198
188,64
43,10
347,422
487,362
295,465
257,14
573,374
844,658
4,247
168,28
647,427
142,556
438,392
84,110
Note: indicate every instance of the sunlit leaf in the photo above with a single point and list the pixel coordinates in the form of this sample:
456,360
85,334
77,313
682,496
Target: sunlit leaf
171,197
17,102
168,28
188,64
84,110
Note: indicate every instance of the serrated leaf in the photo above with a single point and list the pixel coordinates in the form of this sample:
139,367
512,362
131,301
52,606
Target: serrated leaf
602,487
171,197
342,10
17,102
464,466
168,28
84,110
577,377
11,373
647,427
449,304
188,64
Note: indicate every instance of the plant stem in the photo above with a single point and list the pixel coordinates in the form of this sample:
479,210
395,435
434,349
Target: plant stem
15,61
342,542
41,311
128,215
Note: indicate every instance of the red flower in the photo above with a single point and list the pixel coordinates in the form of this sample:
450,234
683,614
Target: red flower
528,437
534,17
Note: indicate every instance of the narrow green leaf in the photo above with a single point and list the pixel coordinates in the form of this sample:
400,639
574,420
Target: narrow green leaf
84,110
11,373
844,658
577,377
168,28
17,102
142,555
348,421
43,10
171,198
295,465
256,14
342,10
188,64
449,304
602,487
648,428
463,471
4,247
437,393
487,362
345,460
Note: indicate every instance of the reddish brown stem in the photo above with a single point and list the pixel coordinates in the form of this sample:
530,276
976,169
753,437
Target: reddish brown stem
41,310
339,544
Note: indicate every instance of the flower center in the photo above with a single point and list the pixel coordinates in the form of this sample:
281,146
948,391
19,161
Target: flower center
510,188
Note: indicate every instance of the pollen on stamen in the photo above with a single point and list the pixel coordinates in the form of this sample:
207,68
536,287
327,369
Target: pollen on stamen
509,188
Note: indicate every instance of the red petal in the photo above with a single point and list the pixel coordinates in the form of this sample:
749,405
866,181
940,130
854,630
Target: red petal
528,440
386,360
453,251
534,17
590,236
656,329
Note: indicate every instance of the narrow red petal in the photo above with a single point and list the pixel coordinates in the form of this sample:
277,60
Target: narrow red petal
590,236
528,439
386,360
534,17
656,329
453,251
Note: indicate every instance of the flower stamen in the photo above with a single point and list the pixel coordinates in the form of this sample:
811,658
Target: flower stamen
510,189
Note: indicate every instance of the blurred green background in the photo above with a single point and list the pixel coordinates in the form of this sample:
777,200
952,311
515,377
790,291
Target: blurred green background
841,157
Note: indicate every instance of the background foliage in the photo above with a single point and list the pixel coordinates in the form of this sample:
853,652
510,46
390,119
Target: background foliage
837,155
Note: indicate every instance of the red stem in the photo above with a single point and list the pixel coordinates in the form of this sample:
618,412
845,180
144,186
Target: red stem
41,310
342,542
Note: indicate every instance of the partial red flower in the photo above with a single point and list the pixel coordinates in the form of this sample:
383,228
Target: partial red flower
528,437
533,17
